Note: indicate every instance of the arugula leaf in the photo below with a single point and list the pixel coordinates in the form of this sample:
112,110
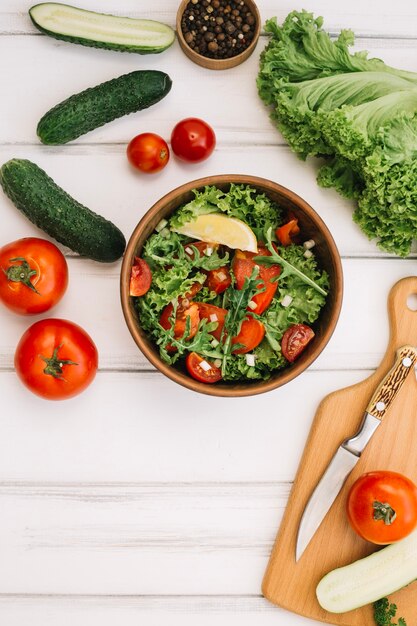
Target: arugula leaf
288,268
384,612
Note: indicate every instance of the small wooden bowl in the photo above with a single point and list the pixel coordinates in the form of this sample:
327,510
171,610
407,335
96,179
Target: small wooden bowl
311,226
219,64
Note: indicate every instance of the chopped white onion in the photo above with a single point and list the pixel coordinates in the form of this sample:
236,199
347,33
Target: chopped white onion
214,343
208,251
250,360
252,305
309,244
221,276
217,362
161,225
286,300
205,366
214,318
189,250
165,232
308,254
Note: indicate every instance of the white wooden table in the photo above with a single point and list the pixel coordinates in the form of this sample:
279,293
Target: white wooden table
139,502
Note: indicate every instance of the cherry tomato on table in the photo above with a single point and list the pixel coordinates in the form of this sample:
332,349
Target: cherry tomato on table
202,370
242,267
382,507
193,140
33,275
140,278
56,359
295,340
148,153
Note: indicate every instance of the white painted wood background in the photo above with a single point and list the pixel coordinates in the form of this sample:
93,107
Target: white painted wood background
140,502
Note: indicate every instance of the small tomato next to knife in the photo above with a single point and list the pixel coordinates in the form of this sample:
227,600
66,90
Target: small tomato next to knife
382,507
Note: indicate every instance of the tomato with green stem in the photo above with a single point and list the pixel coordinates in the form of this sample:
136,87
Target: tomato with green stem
56,359
148,153
193,140
33,275
382,507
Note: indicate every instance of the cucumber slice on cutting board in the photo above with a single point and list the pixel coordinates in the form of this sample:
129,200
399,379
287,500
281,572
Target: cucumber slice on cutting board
99,30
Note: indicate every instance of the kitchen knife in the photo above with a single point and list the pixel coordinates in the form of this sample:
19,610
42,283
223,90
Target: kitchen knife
350,450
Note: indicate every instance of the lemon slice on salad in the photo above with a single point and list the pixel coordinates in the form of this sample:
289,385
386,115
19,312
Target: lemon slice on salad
220,229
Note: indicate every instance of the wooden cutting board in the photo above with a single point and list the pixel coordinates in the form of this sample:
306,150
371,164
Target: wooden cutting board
393,447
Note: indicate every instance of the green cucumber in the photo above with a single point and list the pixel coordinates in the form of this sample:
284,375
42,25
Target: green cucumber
99,30
54,211
99,105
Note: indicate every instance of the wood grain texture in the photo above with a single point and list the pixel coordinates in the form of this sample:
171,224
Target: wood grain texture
292,585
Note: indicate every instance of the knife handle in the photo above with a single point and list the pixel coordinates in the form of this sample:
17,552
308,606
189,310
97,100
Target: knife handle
385,393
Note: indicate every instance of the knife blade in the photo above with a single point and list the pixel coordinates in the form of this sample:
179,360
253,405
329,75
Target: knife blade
350,450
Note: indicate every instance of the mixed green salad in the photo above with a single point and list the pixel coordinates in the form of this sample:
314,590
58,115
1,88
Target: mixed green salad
229,314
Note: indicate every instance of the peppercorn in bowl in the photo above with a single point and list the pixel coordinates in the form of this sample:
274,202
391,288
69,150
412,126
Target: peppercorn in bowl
244,329
218,34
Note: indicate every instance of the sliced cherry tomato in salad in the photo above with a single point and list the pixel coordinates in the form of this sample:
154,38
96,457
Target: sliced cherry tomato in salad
243,266
202,370
251,334
140,278
295,339
219,280
193,140
56,359
382,507
209,310
287,231
201,246
33,275
148,153
183,312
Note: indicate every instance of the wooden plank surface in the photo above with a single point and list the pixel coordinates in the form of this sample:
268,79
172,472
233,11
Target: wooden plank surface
138,476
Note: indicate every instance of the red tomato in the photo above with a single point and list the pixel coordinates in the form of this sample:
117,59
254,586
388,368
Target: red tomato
382,507
140,278
56,359
219,280
33,275
287,231
200,245
148,152
206,310
204,375
193,140
242,266
251,334
191,311
295,340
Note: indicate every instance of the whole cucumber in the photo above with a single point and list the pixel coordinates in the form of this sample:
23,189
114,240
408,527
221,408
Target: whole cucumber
50,208
99,105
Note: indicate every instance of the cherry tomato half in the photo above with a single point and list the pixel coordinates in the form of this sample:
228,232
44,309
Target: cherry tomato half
140,278
193,140
382,507
295,340
209,310
33,275
287,231
183,312
201,247
209,373
251,334
56,359
148,153
219,280
242,267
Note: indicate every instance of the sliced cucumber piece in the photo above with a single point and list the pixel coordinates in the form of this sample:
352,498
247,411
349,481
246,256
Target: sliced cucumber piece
99,30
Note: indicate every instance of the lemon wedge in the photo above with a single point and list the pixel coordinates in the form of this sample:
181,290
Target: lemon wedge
220,229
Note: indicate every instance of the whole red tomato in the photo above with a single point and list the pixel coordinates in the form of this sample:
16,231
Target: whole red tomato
148,152
382,507
33,275
193,140
56,359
